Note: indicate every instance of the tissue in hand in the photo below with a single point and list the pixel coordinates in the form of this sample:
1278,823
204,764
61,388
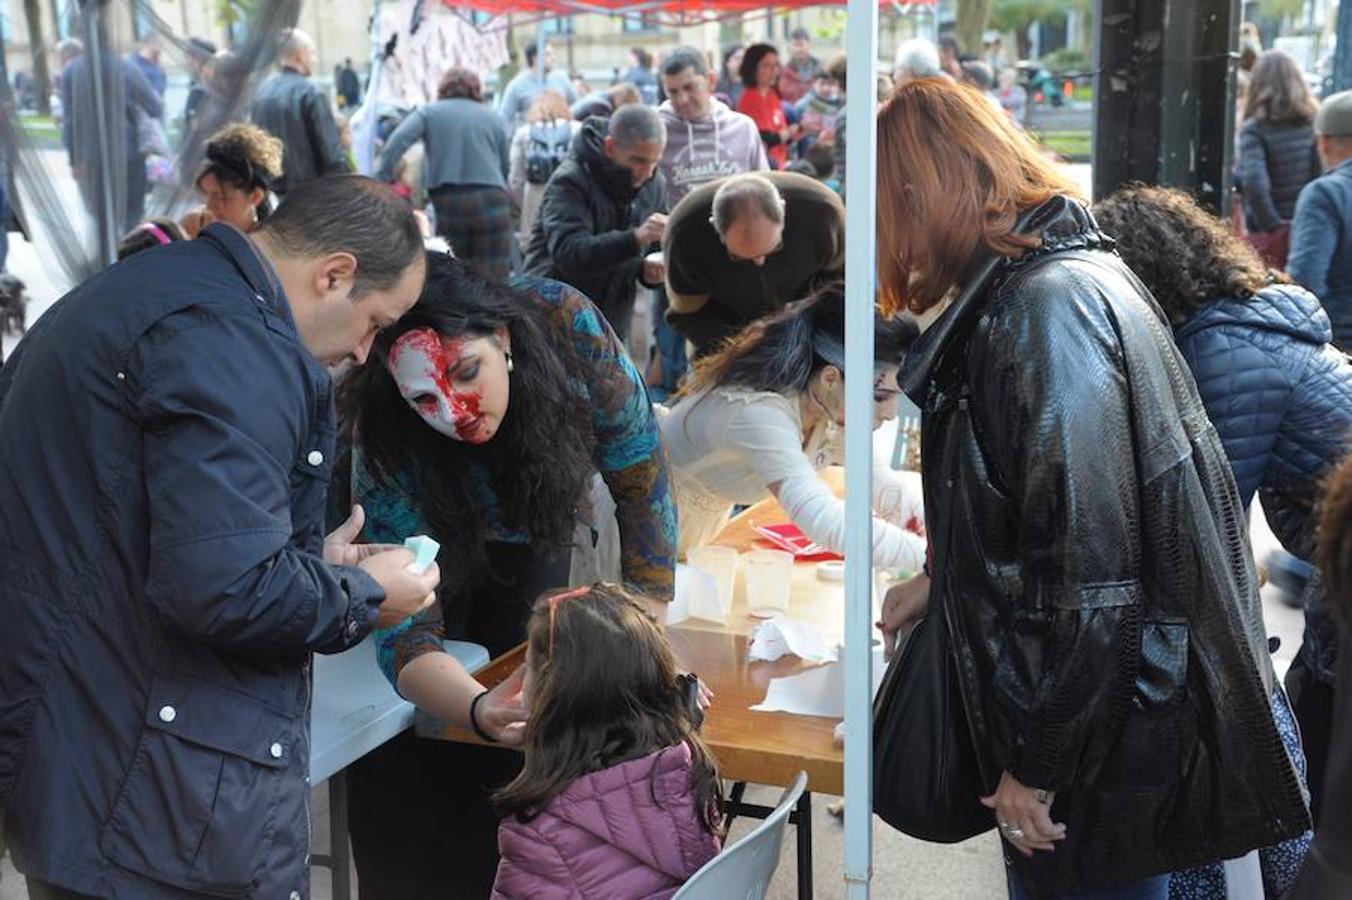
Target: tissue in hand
424,551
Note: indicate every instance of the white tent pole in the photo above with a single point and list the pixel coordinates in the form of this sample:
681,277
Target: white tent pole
861,45
368,115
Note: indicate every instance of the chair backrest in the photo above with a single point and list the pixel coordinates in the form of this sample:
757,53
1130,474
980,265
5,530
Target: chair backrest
743,871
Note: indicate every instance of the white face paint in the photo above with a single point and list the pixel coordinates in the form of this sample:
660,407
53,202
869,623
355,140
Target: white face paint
421,362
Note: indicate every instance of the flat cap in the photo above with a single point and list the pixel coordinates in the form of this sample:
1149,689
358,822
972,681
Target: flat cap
1335,115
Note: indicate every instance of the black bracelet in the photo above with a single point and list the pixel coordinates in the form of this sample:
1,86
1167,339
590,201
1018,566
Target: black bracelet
474,719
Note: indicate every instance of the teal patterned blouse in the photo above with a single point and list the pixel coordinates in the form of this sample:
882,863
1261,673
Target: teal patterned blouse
629,456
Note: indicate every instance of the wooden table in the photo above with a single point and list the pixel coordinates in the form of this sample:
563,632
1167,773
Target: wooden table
767,748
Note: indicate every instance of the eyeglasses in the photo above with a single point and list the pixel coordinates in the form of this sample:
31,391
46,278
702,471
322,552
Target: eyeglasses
554,602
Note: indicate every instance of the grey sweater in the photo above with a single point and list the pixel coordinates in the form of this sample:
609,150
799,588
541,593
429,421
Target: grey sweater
465,144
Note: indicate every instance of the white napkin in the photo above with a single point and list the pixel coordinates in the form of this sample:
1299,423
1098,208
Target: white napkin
780,635
816,692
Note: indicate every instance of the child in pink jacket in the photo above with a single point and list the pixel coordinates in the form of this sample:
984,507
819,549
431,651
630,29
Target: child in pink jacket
618,797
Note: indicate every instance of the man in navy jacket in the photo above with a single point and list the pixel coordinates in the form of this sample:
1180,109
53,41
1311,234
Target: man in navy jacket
166,437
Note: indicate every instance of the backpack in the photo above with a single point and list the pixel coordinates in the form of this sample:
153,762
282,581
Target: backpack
547,145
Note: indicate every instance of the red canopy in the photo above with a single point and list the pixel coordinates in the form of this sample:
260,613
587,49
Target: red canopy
686,9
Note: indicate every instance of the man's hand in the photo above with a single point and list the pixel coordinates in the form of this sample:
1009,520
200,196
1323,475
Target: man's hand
654,268
651,231
503,713
339,549
406,594
904,605
1024,815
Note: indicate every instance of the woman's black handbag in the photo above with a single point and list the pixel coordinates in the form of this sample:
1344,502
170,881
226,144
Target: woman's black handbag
926,779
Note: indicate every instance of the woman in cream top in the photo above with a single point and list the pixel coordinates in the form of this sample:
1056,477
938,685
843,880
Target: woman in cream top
763,415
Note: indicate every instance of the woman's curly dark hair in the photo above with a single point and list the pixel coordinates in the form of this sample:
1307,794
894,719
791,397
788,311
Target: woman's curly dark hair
538,464
246,157
1186,256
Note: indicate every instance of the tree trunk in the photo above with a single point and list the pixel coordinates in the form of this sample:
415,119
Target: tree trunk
971,24
37,46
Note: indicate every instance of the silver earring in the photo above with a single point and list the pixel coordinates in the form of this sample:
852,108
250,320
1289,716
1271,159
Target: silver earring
510,365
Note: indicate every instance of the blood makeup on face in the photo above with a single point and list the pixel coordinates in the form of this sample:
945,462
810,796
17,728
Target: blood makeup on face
421,362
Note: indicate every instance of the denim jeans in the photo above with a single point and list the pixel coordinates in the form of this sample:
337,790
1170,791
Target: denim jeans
1156,888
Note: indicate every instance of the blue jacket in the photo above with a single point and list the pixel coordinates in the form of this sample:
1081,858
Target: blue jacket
1280,396
1321,246
165,447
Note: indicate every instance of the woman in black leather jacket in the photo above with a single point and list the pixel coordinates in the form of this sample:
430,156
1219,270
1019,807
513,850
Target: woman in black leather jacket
1090,559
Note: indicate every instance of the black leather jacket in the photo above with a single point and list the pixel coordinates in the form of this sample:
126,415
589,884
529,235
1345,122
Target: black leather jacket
297,112
1091,557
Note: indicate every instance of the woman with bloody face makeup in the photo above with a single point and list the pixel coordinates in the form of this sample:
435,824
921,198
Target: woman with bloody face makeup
481,421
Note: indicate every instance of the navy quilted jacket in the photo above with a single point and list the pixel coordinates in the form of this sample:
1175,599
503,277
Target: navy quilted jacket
1280,396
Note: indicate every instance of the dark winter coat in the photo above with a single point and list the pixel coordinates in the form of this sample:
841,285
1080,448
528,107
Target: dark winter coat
1275,162
1091,560
294,110
584,233
1321,247
1280,396
165,447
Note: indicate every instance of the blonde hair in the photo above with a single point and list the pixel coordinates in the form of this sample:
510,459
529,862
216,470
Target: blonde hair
548,105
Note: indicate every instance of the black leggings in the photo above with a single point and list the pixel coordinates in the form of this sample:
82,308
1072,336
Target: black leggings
420,819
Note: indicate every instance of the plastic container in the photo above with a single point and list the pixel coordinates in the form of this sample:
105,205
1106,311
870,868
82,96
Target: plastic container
720,563
769,575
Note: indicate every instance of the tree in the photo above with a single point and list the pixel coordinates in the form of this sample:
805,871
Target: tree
970,26
1018,15
37,46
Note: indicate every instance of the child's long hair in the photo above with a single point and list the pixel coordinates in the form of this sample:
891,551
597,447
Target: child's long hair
606,692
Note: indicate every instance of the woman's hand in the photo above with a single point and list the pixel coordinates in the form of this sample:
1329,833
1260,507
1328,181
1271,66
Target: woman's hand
195,221
502,713
1024,815
904,605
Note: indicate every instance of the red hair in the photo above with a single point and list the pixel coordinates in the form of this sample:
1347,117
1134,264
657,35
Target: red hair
953,175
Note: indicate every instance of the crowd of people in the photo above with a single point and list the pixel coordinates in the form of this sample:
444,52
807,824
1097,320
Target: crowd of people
212,452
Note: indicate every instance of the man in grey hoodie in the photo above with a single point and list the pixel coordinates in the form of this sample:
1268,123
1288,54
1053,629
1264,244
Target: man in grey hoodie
706,141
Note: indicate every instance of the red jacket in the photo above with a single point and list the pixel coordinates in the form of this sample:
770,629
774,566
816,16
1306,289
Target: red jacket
767,111
632,831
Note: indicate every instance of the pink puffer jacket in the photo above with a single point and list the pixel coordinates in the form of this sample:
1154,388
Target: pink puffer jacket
630,832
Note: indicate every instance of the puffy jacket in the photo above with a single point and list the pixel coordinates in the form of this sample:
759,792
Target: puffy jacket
1321,247
297,112
1091,560
584,232
1280,396
630,831
165,444
1275,162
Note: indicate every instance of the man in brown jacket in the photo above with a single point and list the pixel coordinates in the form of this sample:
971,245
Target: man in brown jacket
743,247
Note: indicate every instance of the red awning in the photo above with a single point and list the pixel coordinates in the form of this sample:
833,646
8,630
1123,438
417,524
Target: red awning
683,8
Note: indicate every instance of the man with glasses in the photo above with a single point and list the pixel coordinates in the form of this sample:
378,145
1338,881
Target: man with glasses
743,247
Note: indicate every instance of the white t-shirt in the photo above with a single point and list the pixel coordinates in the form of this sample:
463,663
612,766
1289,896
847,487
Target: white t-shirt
726,446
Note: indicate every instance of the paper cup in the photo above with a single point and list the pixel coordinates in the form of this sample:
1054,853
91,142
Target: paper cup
720,563
769,574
